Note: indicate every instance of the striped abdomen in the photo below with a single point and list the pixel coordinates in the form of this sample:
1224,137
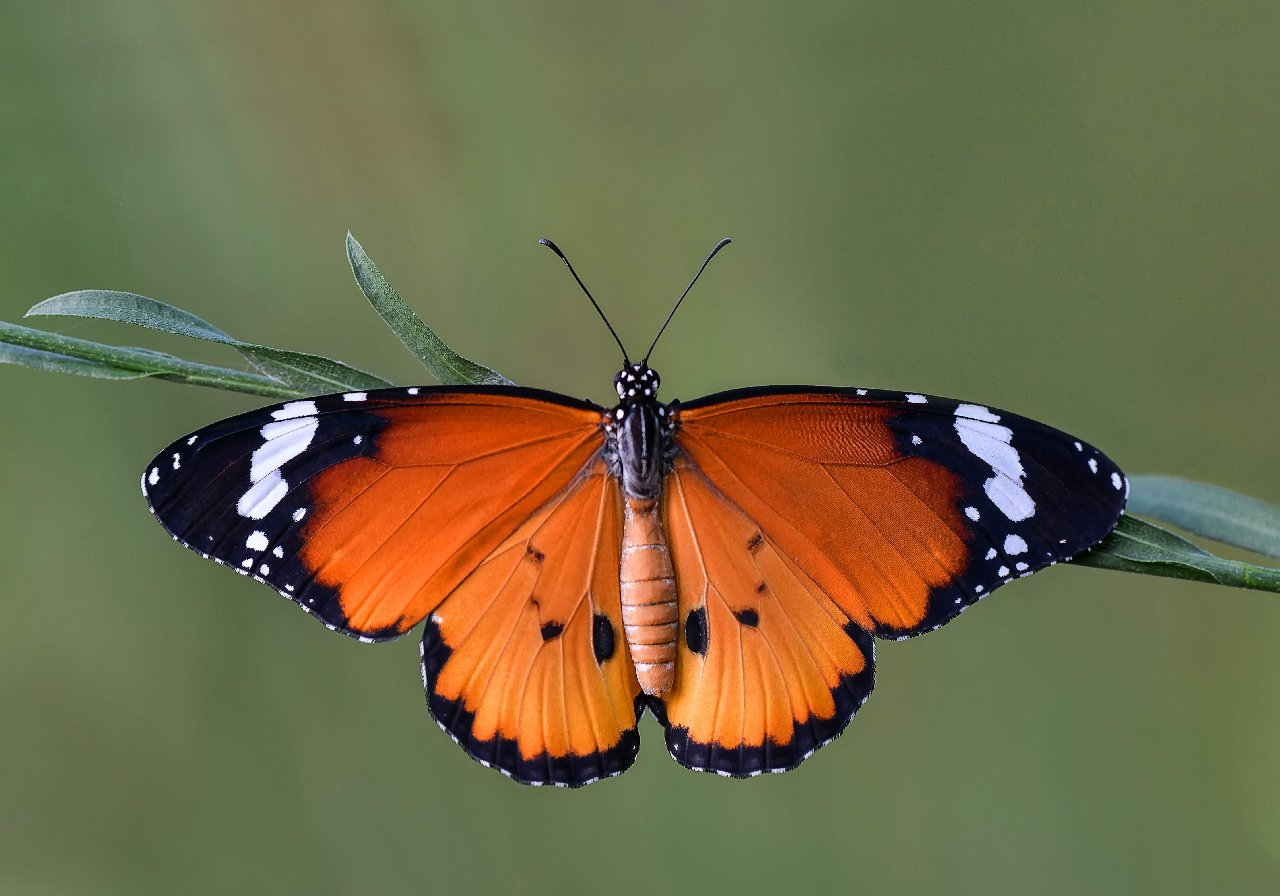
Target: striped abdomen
648,580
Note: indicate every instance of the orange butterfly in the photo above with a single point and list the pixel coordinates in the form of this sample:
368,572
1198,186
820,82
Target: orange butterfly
724,562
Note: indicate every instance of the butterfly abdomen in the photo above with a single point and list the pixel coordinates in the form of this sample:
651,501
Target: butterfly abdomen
648,580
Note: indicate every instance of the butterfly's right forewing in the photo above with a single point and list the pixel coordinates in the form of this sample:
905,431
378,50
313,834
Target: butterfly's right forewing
367,509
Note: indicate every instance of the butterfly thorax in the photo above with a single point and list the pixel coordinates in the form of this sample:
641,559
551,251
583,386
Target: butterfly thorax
639,449
638,445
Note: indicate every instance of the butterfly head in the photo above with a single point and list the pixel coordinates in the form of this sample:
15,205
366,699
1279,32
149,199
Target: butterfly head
636,381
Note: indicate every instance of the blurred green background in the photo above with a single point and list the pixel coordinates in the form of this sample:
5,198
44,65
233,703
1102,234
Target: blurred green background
1067,210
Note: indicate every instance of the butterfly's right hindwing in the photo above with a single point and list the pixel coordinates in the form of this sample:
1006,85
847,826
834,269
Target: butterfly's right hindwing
525,664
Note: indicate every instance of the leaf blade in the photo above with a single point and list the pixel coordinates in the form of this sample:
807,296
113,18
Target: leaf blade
1209,510
444,363
136,360
309,373
1141,547
39,359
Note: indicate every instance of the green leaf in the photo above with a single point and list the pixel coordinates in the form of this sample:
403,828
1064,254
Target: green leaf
53,351
444,363
309,374
37,359
1209,510
1141,547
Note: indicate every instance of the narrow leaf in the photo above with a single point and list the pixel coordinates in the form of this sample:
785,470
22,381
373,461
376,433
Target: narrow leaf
37,359
308,373
132,361
1141,547
444,363
1209,510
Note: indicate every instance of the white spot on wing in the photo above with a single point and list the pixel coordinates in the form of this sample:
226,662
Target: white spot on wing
154,477
355,396
278,551
917,399
1117,481
1010,497
299,514
972,513
263,496
1014,545
412,391
1002,571
295,409
257,541
978,431
1093,465
284,441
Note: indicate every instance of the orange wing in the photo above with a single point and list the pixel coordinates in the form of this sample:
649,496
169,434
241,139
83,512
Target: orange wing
488,510
803,520
769,667
367,509
525,663
905,509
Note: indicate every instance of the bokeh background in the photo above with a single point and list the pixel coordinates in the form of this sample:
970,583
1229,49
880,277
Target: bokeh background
1067,210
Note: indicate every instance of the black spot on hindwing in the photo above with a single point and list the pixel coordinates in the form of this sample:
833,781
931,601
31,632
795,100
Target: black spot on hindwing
602,638
747,617
551,630
695,631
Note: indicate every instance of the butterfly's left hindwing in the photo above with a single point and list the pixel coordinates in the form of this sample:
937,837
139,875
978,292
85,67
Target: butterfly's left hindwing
367,509
769,667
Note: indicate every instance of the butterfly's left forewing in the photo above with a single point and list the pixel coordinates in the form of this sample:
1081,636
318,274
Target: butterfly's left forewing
904,508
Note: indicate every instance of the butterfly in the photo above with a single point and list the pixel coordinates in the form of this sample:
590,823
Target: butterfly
725,563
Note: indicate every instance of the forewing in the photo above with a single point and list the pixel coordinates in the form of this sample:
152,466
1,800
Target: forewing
367,509
525,664
905,509
769,667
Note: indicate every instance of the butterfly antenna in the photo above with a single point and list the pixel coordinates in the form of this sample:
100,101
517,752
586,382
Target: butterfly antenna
720,245
556,249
